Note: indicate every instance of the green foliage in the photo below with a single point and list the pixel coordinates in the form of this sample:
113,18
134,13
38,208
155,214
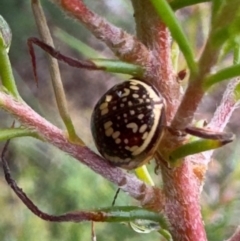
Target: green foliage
222,75
175,4
5,65
6,134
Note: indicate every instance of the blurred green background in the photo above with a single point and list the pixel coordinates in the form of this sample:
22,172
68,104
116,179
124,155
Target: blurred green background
56,182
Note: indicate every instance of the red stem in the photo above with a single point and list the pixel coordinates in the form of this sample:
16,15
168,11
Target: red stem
182,203
124,45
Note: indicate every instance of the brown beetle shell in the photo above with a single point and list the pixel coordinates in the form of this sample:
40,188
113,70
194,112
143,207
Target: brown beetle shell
127,123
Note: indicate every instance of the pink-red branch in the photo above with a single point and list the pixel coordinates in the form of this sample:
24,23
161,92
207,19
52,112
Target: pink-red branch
236,235
124,45
182,202
227,105
148,196
220,118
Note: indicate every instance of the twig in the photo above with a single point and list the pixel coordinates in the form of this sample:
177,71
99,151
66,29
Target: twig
220,118
235,236
54,71
227,105
124,45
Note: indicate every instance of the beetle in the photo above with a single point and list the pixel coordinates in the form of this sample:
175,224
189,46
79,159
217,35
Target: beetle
127,123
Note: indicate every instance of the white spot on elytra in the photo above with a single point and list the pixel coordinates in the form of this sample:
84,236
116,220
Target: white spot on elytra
109,131
116,134
133,126
133,148
148,137
118,141
130,103
135,95
104,105
132,112
126,92
145,135
140,116
108,98
104,111
134,87
143,128
107,124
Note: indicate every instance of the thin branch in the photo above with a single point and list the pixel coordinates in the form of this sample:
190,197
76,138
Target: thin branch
54,71
227,105
235,236
148,196
108,65
220,118
124,45
183,201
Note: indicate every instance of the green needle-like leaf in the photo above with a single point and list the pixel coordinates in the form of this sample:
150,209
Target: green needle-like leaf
143,174
227,73
116,66
131,213
5,65
177,4
5,33
77,44
10,133
237,92
194,147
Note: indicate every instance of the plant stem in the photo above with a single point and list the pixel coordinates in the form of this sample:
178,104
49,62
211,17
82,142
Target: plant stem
6,73
55,73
